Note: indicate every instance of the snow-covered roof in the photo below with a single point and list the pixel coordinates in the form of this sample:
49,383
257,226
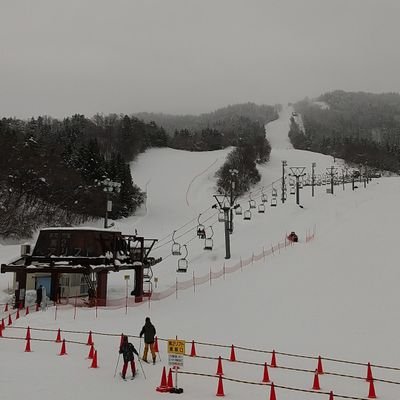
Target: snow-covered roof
81,228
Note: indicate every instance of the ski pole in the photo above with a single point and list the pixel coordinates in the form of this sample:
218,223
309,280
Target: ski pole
116,367
140,347
141,366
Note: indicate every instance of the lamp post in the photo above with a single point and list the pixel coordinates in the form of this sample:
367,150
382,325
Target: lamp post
223,206
109,187
234,173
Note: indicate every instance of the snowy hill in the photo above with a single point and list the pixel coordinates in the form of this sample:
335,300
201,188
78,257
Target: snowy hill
334,296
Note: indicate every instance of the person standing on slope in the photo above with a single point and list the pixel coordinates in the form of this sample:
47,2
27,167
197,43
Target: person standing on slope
149,331
127,350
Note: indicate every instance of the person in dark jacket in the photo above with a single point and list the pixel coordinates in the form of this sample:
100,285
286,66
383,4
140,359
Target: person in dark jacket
39,291
149,331
127,350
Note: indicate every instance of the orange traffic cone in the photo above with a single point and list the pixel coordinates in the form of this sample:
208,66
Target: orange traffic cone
28,333
371,393
266,376
28,346
220,388
233,356
193,350
90,340
316,381
369,373
94,360
27,310
272,395
156,345
219,367
2,323
163,385
58,338
91,353
170,382
6,308
17,315
331,395
63,351
320,370
9,319
273,359
1,330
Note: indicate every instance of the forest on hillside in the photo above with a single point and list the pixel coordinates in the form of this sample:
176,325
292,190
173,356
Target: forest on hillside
239,125
218,119
361,128
52,171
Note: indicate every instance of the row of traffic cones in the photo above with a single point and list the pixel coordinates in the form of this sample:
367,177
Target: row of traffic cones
63,352
316,385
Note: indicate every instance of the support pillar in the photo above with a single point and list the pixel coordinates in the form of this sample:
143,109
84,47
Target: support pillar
101,294
55,287
20,278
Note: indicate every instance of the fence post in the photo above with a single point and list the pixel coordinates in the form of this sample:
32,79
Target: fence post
75,307
279,248
272,248
194,283
223,270
176,288
263,254
210,276
241,264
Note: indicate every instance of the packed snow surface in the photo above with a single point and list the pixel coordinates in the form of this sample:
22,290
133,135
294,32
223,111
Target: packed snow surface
335,296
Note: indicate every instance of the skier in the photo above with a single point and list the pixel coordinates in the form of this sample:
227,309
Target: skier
127,350
293,237
149,331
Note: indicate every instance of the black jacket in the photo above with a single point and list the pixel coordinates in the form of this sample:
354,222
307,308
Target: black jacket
149,332
127,349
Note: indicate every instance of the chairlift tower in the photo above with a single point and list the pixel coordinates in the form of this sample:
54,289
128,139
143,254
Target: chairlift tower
284,163
297,172
227,222
332,172
313,165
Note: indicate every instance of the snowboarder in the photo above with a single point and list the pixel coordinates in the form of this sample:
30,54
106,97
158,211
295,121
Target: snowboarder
149,331
127,350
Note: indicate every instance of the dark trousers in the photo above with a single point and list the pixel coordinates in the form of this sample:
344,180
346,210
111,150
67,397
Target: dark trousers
125,367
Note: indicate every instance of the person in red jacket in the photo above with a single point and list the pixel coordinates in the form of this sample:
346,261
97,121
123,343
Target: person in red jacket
128,350
149,332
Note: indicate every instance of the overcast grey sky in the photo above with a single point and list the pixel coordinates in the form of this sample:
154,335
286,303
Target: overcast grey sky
59,57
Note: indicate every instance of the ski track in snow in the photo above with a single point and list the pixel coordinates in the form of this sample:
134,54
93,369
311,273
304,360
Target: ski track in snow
197,176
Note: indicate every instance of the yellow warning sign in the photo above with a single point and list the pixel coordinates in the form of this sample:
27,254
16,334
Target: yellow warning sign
176,346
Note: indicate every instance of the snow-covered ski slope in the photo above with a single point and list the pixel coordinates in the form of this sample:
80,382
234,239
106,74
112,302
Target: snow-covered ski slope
336,296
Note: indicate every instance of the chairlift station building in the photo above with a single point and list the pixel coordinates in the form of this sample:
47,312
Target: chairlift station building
76,261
